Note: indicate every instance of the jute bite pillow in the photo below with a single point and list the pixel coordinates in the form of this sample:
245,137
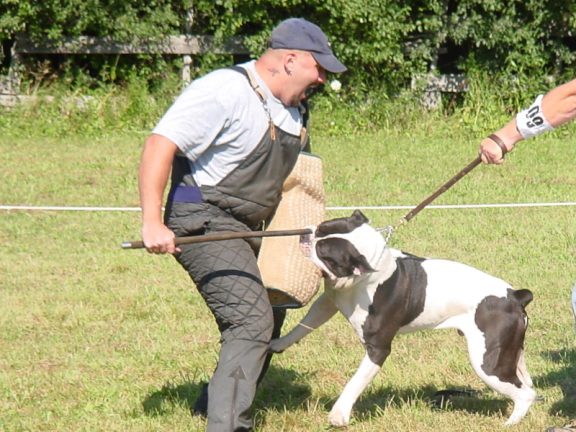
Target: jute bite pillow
291,278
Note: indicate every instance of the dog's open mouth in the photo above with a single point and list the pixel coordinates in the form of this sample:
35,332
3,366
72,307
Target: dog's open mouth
306,244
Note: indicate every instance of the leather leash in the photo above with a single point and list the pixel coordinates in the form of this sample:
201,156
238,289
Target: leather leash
224,235
446,186
440,190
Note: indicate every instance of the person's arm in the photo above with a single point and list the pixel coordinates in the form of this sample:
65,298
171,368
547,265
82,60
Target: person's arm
557,107
155,166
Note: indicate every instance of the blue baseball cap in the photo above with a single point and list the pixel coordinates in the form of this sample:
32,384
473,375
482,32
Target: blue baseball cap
300,34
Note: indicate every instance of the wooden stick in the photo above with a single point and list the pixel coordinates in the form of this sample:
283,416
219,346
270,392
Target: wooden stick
224,235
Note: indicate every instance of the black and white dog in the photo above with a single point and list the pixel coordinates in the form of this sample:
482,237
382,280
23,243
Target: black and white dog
383,291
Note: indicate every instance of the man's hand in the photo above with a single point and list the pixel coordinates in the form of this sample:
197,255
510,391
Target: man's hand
158,239
497,144
490,152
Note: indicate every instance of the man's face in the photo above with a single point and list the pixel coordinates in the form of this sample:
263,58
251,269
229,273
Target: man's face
305,74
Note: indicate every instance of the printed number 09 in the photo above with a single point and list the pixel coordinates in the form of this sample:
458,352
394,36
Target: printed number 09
535,119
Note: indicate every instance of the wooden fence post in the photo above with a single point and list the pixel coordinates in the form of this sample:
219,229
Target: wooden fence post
14,78
187,59
432,86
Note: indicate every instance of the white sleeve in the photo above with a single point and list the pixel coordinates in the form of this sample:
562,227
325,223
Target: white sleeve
194,120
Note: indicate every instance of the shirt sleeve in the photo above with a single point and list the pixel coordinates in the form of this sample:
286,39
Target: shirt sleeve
196,118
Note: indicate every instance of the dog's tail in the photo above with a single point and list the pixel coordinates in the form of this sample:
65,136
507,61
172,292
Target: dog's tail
523,296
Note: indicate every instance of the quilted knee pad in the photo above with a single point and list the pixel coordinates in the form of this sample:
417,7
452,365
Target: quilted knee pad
227,276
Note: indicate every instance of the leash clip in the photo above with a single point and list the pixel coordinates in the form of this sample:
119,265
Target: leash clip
401,222
388,230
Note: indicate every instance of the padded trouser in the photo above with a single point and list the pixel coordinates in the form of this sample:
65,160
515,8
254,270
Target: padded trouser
227,276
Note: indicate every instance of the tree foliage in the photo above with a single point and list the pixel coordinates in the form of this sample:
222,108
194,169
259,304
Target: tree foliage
384,42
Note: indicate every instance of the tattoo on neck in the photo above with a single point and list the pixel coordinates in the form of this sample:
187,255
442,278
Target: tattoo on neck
273,71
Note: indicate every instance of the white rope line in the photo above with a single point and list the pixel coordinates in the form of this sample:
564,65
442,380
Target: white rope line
334,208
66,208
459,206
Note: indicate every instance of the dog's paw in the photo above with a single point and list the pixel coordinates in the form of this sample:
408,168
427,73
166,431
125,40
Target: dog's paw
338,418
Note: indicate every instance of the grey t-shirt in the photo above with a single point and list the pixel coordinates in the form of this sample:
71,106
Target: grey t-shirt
219,119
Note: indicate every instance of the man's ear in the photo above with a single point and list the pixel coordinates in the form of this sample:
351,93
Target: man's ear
288,60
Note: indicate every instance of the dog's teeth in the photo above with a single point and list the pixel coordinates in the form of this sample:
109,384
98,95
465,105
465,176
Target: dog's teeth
306,244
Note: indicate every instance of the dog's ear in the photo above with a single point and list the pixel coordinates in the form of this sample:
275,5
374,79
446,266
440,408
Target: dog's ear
359,217
361,266
522,296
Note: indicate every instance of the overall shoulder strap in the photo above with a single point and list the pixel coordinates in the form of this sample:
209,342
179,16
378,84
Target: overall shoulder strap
250,77
261,94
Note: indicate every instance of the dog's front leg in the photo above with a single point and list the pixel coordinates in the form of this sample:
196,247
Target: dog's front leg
321,311
340,413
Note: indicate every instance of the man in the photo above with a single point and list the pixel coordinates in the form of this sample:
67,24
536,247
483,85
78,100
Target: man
230,140
555,108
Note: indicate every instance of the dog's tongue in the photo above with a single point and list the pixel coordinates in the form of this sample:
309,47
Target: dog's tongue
306,244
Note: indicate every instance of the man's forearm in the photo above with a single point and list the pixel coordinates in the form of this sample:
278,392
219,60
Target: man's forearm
155,166
559,104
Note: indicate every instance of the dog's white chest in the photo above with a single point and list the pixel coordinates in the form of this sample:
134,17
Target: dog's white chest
354,305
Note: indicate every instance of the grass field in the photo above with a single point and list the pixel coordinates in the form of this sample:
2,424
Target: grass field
95,338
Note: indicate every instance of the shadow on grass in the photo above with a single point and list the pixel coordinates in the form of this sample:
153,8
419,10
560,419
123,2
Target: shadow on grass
172,394
280,389
286,390
372,402
564,377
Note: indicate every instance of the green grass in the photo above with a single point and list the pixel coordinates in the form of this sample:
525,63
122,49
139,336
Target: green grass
95,338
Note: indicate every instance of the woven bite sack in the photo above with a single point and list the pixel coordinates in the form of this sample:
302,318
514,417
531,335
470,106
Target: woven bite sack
291,278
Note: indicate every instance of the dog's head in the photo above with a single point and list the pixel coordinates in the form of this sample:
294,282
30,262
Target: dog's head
344,247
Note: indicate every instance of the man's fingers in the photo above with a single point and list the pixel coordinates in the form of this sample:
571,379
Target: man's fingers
162,248
491,153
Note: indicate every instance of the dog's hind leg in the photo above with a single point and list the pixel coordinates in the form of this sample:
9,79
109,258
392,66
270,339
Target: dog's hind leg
495,343
522,396
523,371
507,378
340,413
